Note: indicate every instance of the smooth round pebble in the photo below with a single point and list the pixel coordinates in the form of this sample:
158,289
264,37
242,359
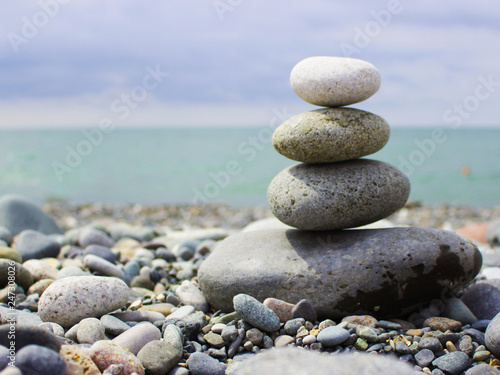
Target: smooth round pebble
90,330
159,357
91,236
492,336
452,363
135,338
332,336
106,353
102,266
75,355
304,309
35,245
330,81
39,360
331,135
337,195
189,294
281,308
113,325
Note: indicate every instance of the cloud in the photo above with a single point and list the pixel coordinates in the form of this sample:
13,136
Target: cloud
430,56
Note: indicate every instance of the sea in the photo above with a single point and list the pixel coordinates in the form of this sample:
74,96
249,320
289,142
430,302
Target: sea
231,166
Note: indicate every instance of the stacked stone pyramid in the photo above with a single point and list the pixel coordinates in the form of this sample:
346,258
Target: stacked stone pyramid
383,272
339,190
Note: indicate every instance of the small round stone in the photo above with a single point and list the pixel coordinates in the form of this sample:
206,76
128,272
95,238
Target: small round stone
36,359
334,81
159,357
304,309
330,135
283,340
105,353
90,330
337,195
203,364
281,308
442,324
292,326
136,337
424,357
254,336
452,363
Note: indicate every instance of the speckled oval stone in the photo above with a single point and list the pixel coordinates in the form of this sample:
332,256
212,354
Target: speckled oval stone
330,135
334,81
379,272
69,300
105,353
338,195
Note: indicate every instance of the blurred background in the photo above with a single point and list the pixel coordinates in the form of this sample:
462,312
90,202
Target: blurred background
127,102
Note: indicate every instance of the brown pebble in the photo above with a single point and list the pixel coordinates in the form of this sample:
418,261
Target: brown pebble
76,356
325,324
254,336
302,332
404,323
364,320
443,324
450,346
415,332
248,346
163,308
281,308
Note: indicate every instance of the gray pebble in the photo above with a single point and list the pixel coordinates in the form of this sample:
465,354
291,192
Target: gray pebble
101,251
424,357
35,359
203,364
113,325
332,336
229,334
91,236
430,343
4,357
492,336
292,326
482,369
304,309
159,357
388,325
255,313
483,298
69,271
102,266
454,308
453,363
35,245
135,338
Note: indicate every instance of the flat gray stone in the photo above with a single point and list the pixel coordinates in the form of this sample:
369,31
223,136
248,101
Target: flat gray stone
18,214
380,272
36,359
334,81
330,135
338,195
102,266
453,363
332,336
69,300
135,338
483,298
305,362
203,364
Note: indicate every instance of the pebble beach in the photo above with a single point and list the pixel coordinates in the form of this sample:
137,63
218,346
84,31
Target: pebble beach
341,275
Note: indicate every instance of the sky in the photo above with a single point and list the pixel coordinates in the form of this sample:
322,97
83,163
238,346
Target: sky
72,64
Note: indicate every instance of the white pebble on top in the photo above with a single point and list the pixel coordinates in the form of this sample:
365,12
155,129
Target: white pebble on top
334,81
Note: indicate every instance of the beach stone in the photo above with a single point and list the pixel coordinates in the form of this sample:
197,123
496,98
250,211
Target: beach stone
139,316
4,357
8,253
424,357
22,276
215,340
492,336
364,320
159,357
483,298
162,308
69,300
105,353
281,308
292,326
493,234
304,309
74,355
452,363
36,359
6,235
325,268
18,214
443,324
135,338
113,325
40,269
54,328
296,361
283,340
182,312
330,135
329,81
482,369
430,343
101,251
337,195
173,335
27,335
189,294
24,318
332,336
90,330
255,313
102,266
91,236
35,245
203,364
229,334
454,308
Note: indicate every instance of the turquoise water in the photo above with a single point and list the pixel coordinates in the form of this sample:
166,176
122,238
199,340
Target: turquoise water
232,166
